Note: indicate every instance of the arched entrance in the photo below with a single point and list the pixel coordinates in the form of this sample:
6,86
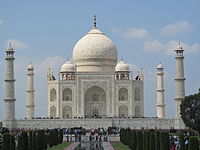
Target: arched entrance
67,112
95,102
123,111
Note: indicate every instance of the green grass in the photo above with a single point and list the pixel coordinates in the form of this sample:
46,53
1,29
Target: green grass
119,146
60,146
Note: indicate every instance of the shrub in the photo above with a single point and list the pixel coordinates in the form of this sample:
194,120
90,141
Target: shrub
34,140
164,141
148,133
133,140
144,140
12,143
24,136
139,140
157,140
152,141
182,141
193,143
6,141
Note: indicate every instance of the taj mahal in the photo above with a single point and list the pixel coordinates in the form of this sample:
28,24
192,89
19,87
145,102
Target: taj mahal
94,90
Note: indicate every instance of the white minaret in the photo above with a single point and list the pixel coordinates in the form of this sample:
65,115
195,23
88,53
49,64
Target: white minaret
9,85
30,92
160,92
180,85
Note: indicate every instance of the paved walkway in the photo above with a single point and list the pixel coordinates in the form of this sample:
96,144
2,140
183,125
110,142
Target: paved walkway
107,146
72,146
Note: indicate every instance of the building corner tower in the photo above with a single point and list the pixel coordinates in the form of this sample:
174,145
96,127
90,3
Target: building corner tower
160,92
180,83
9,86
30,92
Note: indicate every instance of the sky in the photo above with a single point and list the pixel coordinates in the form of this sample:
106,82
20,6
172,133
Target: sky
144,32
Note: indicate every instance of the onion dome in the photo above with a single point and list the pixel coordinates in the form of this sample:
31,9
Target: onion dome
67,67
95,52
122,66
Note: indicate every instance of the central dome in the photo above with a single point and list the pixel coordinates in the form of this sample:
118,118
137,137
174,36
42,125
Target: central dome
95,52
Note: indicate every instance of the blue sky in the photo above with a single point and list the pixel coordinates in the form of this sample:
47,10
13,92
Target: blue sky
145,33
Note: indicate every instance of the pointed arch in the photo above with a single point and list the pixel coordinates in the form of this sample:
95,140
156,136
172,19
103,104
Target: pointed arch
95,102
123,111
67,94
67,112
137,94
52,111
123,94
53,95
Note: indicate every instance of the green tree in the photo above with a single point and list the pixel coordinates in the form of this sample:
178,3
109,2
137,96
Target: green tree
6,141
30,137
144,140
139,140
182,141
193,143
190,111
147,139
164,141
157,140
34,140
24,140
20,143
12,143
152,141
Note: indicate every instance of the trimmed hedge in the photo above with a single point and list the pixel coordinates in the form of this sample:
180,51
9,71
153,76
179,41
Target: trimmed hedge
193,143
8,142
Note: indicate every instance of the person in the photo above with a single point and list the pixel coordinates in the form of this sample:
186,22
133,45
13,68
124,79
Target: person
173,146
186,144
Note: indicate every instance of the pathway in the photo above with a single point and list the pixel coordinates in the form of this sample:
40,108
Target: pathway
107,146
72,146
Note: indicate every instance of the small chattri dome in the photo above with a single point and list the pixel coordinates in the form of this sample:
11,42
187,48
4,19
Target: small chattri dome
67,67
160,66
30,67
122,66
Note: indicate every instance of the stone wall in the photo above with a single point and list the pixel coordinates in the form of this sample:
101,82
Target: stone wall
134,123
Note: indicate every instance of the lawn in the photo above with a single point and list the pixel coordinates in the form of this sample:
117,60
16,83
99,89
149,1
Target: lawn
60,146
119,146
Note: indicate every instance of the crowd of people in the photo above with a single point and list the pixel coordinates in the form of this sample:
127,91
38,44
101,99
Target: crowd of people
175,141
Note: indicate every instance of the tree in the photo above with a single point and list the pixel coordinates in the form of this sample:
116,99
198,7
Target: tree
193,143
139,140
24,140
34,140
190,111
6,141
152,141
182,141
164,141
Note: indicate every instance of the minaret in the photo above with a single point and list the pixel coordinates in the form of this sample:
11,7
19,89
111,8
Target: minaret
30,92
9,85
160,92
180,85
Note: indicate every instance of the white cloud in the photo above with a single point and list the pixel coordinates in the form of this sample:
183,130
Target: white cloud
169,47
1,21
153,46
177,28
136,33
53,63
16,43
132,33
115,30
